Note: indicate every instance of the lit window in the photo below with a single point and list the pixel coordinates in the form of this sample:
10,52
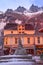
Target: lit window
28,40
38,39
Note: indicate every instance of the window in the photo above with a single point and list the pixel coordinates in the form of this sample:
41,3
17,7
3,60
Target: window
19,32
38,39
19,28
6,42
22,32
11,31
28,40
23,29
15,40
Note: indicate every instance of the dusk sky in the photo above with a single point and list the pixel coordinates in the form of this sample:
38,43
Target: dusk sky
13,4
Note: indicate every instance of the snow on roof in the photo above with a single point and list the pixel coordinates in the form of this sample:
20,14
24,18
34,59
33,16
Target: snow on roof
18,21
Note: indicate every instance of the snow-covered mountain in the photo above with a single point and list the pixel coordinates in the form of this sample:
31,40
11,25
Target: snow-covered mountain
30,14
33,8
21,15
20,9
2,24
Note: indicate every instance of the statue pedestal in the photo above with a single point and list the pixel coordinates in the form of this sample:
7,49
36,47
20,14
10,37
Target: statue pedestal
20,50
21,53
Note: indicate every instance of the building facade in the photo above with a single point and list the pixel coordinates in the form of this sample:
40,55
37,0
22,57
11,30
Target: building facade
31,37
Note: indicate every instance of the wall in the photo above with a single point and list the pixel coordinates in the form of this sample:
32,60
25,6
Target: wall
9,32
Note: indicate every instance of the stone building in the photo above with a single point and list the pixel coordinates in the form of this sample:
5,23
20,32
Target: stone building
32,37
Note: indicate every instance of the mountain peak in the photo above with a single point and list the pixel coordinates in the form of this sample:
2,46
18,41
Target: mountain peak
20,9
34,8
9,11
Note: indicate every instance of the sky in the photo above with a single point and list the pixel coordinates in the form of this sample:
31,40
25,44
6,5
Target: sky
13,4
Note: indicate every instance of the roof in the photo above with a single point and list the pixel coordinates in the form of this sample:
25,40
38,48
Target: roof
29,27
11,26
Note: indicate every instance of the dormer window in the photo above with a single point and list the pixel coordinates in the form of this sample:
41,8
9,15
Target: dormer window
19,28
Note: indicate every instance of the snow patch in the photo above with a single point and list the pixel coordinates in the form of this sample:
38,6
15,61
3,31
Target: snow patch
32,14
2,24
18,21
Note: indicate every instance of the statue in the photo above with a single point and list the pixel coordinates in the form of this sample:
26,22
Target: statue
20,50
20,43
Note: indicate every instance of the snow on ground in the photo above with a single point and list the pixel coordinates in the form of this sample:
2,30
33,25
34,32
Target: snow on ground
17,63
15,55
